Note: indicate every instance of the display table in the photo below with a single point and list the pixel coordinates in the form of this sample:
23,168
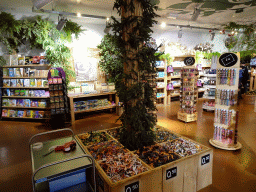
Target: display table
72,97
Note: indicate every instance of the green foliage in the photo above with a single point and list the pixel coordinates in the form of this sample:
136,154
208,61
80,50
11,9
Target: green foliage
2,61
205,55
110,57
166,57
42,34
131,37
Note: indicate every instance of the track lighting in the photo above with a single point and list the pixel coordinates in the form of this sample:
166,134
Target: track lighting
180,33
41,3
62,22
195,14
163,24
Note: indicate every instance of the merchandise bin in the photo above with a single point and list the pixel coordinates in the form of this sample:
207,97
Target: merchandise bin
60,171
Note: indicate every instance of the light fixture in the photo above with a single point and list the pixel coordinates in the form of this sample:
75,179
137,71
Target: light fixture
212,35
107,18
107,28
62,22
195,14
163,24
78,14
180,33
41,3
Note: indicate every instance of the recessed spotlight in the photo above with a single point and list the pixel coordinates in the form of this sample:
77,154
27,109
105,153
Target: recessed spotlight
78,14
107,18
163,24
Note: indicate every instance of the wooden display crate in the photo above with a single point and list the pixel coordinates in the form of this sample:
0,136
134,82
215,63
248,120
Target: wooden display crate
150,180
250,99
187,117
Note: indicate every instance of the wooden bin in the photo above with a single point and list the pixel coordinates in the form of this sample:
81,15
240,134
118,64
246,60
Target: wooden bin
187,117
150,180
191,173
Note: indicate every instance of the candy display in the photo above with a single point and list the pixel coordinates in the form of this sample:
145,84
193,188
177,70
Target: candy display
223,135
157,155
122,166
163,136
93,137
251,92
224,117
183,147
114,133
104,149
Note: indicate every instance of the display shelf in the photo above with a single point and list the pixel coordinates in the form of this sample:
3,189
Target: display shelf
161,97
225,126
27,87
175,95
175,86
210,75
209,97
25,97
225,147
174,77
160,87
15,107
22,66
74,96
210,86
209,108
25,77
159,78
96,109
160,68
24,118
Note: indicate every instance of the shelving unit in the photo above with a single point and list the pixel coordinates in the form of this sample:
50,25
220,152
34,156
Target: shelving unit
25,93
226,114
161,91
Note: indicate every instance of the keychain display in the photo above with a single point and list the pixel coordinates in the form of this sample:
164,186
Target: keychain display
226,97
226,76
224,117
223,135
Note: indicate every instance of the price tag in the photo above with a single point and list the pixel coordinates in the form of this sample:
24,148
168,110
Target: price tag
228,59
205,159
170,173
189,61
133,187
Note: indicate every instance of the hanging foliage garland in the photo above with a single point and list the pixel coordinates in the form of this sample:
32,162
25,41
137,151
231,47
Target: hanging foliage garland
133,86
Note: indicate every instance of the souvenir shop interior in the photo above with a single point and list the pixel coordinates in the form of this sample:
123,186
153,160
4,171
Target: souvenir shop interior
128,96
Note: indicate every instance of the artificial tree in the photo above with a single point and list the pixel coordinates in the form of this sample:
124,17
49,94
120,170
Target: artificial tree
133,84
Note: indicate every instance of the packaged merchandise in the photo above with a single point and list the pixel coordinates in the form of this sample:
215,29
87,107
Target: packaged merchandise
20,113
36,114
27,103
6,82
55,80
22,92
39,82
32,82
28,60
13,60
13,83
40,114
29,113
37,93
20,82
34,103
16,92
36,60
12,92
5,72
11,72
21,60
6,92
42,103
5,102
26,72
12,113
4,112
31,93
32,72
20,103
13,102
16,72
26,83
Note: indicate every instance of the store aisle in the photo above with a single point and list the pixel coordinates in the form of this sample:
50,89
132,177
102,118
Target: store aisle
232,171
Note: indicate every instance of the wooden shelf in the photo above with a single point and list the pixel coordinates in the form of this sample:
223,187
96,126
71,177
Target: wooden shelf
25,97
24,77
8,107
160,97
209,75
210,86
27,87
22,66
96,109
175,77
89,95
23,118
208,97
175,86
160,68
159,78
175,95
160,87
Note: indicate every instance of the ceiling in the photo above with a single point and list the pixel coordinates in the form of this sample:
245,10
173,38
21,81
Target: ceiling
214,13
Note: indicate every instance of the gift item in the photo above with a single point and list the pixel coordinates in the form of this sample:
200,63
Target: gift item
157,155
122,166
163,136
225,136
226,76
115,133
226,97
225,117
183,147
93,137
101,150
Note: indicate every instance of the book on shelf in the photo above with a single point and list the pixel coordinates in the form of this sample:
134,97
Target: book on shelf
20,82
32,72
11,72
21,60
32,82
39,82
27,103
12,92
20,113
6,82
17,72
13,83
34,103
12,113
5,72
28,113
4,112
22,92
42,103
16,92
31,93
37,73
5,102
41,114
28,60
13,102
20,103
26,72
26,82
45,83
13,60
37,93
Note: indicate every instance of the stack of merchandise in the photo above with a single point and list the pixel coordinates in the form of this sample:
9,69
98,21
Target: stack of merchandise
91,104
25,92
25,113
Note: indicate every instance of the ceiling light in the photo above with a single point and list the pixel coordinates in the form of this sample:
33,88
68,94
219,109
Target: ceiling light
107,18
62,22
41,3
163,24
78,14
195,14
180,33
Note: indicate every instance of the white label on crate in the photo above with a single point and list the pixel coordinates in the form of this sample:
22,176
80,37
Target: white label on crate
170,173
205,159
133,187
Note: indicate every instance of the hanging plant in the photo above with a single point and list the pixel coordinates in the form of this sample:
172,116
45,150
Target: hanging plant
40,33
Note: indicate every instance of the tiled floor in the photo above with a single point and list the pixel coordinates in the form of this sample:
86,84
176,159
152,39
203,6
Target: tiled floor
233,171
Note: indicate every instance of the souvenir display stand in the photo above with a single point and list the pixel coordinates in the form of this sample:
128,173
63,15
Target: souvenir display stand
58,95
25,92
188,91
60,170
188,169
226,114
